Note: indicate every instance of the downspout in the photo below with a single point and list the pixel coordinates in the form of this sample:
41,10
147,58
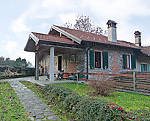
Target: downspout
87,60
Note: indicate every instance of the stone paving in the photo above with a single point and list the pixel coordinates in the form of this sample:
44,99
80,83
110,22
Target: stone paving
42,80
37,110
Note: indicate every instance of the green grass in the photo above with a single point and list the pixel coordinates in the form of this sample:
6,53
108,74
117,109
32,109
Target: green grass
1,74
128,101
11,109
37,90
81,89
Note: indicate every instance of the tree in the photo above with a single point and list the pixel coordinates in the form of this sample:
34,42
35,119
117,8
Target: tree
84,23
18,62
24,63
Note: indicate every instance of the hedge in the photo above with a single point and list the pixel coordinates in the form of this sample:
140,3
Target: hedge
83,108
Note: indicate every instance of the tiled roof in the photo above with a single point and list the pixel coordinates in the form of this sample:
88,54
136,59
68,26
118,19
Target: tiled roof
86,36
146,50
52,38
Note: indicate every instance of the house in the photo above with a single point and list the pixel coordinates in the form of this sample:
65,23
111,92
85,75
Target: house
73,50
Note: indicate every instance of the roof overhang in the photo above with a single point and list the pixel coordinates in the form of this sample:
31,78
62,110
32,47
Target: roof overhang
108,44
31,43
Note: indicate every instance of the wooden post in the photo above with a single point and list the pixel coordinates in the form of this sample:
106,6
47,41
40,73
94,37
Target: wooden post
134,81
77,76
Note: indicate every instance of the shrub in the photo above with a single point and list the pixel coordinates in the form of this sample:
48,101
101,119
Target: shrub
89,110
58,94
115,112
83,108
102,87
48,88
140,115
71,101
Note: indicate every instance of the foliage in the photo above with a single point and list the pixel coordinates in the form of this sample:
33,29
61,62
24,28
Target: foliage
21,62
70,101
141,115
101,87
115,111
11,108
81,108
131,102
84,23
44,94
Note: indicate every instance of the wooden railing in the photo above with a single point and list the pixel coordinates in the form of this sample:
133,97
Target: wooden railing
130,81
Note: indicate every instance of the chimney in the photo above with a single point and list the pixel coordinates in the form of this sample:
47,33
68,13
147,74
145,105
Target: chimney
137,38
112,34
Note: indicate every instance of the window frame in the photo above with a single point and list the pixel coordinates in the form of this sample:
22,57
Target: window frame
101,63
128,61
144,68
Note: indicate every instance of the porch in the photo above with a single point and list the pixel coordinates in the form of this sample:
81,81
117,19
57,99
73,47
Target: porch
54,62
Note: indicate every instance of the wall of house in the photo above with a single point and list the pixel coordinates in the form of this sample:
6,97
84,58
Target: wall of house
142,60
79,63
115,61
45,63
67,65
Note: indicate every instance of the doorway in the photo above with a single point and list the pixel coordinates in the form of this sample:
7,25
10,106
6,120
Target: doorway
59,63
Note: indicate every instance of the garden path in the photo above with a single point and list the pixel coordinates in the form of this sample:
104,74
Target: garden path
37,110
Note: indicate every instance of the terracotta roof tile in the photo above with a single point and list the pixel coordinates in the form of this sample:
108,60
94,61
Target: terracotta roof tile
146,50
52,38
96,38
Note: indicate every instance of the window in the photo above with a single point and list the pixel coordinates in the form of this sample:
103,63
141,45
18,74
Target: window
98,59
129,61
72,58
144,67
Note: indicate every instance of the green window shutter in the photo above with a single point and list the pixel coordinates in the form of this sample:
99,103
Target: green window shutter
133,61
91,59
124,61
105,60
142,67
147,67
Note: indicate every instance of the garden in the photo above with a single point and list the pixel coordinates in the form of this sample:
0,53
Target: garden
11,109
73,101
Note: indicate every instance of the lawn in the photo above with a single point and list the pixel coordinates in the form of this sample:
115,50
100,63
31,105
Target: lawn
128,101
11,109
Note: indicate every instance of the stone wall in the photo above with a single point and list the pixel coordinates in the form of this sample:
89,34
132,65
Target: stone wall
115,61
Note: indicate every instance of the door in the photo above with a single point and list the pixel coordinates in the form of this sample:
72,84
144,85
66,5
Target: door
59,63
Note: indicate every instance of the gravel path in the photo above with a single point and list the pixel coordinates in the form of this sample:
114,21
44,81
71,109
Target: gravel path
37,110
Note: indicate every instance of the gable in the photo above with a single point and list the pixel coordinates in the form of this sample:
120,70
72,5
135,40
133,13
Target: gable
72,37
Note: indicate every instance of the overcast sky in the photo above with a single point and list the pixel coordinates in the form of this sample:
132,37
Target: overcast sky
20,17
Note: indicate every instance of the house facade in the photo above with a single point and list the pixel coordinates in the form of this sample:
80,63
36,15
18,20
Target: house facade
70,50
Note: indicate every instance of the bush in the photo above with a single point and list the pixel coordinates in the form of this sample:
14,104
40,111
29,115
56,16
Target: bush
71,101
89,110
115,112
58,94
140,115
102,87
84,109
